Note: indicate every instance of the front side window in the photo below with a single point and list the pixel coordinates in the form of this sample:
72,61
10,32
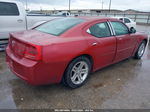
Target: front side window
100,30
120,28
59,26
8,9
127,20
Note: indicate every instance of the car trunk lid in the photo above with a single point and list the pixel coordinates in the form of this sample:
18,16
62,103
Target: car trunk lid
29,44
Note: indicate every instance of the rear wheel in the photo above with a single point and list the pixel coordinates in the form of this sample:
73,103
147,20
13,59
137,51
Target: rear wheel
77,72
139,53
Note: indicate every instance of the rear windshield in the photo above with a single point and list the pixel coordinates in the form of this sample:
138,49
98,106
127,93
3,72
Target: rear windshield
59,26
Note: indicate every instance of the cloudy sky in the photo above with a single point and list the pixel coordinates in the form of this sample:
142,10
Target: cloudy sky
143,5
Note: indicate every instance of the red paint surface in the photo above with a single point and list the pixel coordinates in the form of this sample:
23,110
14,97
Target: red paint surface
54,53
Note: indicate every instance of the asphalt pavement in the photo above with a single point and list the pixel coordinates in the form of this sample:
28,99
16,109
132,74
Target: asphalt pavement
125,85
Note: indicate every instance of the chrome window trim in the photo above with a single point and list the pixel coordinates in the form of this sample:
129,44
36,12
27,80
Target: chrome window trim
111,28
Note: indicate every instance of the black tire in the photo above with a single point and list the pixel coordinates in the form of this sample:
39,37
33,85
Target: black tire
137,56
67,75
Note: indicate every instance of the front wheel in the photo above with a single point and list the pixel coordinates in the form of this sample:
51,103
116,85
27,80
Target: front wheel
77,72
139,53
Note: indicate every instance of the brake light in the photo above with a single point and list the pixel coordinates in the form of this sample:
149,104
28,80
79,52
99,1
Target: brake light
22,49
33,52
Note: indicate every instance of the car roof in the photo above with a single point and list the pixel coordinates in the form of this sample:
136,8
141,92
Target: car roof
10,1
118,17
94,18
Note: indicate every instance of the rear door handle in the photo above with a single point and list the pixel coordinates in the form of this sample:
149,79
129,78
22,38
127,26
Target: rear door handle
94,44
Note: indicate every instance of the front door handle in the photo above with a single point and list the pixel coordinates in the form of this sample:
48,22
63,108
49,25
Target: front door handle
120,38
20,20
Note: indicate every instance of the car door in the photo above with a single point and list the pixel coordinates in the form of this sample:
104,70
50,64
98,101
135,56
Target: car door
125,40
11,19
102,43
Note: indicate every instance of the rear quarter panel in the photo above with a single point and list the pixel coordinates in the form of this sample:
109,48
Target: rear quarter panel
59,55
66,48
139,38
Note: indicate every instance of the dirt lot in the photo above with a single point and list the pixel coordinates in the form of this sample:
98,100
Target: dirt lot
123,85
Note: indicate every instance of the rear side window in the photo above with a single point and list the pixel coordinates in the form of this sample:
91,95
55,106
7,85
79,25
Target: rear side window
8,9
59,26
100,30
120,28
127,20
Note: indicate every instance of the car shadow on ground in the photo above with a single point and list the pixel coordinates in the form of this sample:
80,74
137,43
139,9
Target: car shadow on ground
101,85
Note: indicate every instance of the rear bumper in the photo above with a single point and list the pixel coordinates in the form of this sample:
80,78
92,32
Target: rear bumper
23,68
33,72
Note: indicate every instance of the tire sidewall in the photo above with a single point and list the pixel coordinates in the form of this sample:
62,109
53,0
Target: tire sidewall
137,55
67,76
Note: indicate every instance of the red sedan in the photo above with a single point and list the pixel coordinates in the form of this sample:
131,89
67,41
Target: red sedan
68,49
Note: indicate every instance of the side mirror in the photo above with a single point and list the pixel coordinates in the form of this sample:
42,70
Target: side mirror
132,30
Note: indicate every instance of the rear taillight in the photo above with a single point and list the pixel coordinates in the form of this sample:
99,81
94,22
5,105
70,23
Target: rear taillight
22,49
33,52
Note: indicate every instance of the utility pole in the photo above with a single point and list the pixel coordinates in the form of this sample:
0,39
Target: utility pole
26,16
41,9
109,5
26,5
102,4
69,4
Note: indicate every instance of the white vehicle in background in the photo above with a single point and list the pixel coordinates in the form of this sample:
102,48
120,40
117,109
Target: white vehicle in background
129,22
64,13
13,18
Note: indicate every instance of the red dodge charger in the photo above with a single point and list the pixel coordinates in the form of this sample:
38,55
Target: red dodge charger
68,49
